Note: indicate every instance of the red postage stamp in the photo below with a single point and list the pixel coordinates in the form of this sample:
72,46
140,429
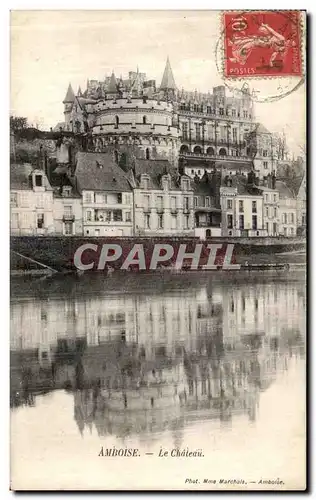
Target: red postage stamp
265,43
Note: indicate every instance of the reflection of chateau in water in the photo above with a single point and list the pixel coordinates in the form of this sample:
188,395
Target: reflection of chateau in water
145,362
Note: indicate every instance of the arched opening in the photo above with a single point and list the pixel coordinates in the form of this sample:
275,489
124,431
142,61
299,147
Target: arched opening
197,150
184,149
208,233
222,152
147,154
144,120
117,121
210,151
116,156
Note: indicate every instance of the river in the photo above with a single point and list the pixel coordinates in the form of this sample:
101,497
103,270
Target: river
212,365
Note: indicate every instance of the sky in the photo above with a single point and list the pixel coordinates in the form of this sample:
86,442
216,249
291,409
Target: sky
49,49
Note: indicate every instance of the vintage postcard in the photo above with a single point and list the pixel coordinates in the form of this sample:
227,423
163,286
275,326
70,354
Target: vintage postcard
158,250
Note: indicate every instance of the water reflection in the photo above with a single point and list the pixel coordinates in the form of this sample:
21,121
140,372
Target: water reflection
155,360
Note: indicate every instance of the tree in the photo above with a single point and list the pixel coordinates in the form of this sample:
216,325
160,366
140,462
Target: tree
17,123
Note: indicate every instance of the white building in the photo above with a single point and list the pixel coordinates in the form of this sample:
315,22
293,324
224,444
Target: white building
31,199
242,206
163,200
107,197
288,210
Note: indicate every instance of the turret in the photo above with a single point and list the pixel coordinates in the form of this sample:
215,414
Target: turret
68,103
168,85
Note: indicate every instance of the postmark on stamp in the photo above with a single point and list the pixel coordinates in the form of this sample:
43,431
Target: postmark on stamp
263,43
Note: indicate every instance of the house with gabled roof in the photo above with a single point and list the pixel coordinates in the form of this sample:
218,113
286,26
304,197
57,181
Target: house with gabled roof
107,196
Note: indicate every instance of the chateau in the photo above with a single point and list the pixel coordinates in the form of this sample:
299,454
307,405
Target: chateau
194,131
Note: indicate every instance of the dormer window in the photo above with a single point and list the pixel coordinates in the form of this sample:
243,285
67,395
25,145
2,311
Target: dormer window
38,180
144,181
185,184
165,182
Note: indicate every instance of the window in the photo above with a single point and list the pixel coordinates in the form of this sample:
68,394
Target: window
229,204
128,216
40,221
197,131
38,180
117,121
195,201
185,130
185,184
146,201
267,227
254,207
266,196
144,120
265,165
173,222
88,215
230,221
147,221
274,228
145,183
173,202
285,231
241,222
207,201
100,198
67,210
285,218
14,221
14,199
88,197
186,203
119,198
275,212
147,154
292,230
267,211
159,203
245,113
274,197
68,228
291,218
264,153
186,222
221,111
209,110
117,215
233,112
241,206
160,221
234,130
97,232
254,222
128,199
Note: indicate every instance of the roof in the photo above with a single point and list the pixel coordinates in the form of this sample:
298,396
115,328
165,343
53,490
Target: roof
284,190
19,176
167,81
70,95
240,182
155,169
294,183
112,88
234,165
261,129
99,172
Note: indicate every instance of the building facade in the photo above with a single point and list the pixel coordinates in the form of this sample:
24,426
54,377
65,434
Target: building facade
107,196
163,200
31,200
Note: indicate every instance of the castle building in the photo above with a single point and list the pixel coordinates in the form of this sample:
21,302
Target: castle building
189,129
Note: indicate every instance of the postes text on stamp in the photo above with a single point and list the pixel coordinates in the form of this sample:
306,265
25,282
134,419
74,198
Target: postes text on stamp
265,43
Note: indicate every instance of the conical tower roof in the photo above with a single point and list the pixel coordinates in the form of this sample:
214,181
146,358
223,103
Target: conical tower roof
113,84
79,93
70,95
167,82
